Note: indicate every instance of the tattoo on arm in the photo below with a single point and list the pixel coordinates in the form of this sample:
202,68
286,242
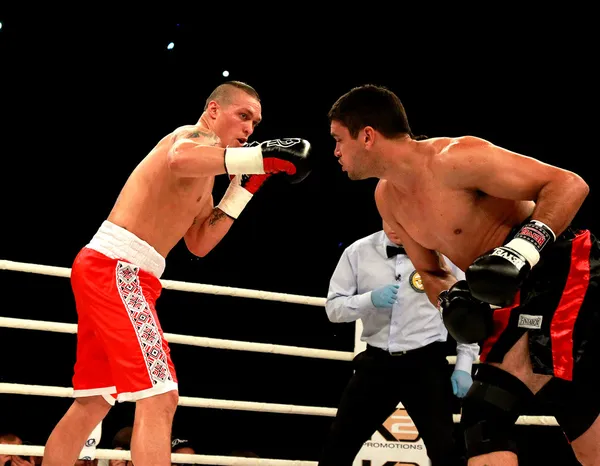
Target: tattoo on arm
216,216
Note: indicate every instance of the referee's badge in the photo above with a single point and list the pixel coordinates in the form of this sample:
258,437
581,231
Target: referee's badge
416,283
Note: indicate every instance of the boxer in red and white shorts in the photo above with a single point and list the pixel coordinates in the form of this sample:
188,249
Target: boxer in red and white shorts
121,350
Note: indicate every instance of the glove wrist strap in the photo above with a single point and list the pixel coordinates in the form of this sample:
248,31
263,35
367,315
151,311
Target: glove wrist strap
537,233
235,199
244,160
531,239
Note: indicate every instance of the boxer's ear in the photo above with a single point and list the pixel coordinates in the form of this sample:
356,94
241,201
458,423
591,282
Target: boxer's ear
212,109
368,136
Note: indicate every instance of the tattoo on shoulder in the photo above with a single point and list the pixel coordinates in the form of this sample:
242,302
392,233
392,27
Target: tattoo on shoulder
208,136
215,216
194,132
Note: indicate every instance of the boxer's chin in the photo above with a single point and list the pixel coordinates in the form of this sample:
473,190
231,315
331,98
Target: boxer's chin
354,176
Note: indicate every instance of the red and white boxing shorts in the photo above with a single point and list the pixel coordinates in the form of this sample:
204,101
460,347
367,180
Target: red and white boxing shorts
121,350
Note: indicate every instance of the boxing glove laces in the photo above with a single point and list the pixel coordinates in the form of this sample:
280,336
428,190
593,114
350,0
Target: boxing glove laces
496,276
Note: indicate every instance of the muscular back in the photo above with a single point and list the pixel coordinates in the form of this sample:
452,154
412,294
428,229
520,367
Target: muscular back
158,206
442,210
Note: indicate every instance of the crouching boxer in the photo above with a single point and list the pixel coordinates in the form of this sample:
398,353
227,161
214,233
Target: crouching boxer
531,289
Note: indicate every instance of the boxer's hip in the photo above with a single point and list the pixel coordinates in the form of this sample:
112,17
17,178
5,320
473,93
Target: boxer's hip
115,242
557,306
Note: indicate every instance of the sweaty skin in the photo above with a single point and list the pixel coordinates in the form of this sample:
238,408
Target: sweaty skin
168,196
462,196
476,223
157,205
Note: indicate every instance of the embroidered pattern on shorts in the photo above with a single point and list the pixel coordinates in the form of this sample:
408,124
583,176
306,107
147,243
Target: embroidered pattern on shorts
128,283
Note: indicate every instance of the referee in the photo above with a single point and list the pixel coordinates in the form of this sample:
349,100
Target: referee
405,359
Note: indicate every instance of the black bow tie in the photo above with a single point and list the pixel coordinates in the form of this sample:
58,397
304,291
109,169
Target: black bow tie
393,250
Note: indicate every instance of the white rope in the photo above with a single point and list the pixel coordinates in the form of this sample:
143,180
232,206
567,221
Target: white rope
526,420
204,342
26,324
64,392
181,458
184,339
177,285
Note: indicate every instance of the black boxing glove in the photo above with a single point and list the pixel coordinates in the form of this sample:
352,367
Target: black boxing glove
496,276
467,319
290,156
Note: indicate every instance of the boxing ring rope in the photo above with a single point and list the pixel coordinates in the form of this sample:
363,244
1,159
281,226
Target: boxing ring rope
180,458
40,390
176,285
190,340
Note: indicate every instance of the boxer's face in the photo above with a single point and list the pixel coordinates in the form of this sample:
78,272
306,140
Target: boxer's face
349,151
236,120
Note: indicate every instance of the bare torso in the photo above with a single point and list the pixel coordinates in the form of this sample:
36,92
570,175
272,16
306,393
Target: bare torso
157,206
461,224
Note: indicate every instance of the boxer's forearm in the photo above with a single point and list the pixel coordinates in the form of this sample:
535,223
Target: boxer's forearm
204,235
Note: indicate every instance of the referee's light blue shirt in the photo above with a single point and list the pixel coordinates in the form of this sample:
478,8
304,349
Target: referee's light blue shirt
411,323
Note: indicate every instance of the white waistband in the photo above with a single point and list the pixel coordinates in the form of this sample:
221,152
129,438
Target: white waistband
117,243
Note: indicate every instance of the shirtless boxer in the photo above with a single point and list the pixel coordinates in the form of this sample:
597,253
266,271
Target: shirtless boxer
530,292
121,352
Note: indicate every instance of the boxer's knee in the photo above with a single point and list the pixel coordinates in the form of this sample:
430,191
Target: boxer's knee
93,406
161,406
587,446
576,407
490,410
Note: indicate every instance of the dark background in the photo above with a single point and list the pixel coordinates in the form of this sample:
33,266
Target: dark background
86,95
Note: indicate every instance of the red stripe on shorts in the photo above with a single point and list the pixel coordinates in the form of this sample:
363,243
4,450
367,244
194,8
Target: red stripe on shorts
501,317
563,321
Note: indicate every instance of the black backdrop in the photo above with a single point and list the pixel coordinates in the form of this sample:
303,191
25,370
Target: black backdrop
85,96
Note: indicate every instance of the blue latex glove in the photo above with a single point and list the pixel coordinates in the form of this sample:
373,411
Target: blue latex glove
384,296
461,382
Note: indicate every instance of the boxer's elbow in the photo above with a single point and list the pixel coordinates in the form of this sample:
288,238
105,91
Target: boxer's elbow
579,184
569,187
195,245
197,250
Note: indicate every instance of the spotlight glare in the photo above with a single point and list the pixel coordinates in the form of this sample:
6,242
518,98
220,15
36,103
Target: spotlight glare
225,73
171,45
0,24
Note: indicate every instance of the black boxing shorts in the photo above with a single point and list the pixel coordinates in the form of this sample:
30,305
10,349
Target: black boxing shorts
559,307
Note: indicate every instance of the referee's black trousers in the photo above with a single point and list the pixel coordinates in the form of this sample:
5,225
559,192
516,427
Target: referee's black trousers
420,380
